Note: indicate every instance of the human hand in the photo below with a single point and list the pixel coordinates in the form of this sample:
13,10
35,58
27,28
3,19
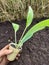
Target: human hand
3,53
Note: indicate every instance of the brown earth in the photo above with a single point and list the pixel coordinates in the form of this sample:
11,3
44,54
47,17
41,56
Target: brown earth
35,51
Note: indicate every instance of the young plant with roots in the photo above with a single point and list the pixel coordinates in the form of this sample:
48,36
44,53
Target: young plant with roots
17,46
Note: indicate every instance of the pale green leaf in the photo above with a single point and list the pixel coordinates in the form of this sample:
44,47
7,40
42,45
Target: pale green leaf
29,17
15,26
39,26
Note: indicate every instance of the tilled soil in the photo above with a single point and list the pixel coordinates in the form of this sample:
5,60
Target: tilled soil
35,51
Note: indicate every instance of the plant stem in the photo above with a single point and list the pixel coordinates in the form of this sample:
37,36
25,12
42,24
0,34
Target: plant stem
23,34
15,38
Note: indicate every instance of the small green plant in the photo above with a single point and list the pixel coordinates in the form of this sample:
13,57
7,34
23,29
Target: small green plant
39,26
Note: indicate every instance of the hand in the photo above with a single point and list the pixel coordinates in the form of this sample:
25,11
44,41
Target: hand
3,53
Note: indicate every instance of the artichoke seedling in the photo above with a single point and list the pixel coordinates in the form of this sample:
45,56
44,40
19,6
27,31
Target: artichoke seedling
16,47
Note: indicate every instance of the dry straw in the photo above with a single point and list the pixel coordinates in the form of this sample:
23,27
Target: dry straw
17,9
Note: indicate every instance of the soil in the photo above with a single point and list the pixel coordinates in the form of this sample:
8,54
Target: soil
35,51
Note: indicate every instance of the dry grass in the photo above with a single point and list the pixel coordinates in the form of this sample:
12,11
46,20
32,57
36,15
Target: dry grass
17,9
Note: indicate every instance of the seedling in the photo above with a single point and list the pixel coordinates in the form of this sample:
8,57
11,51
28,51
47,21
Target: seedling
16,47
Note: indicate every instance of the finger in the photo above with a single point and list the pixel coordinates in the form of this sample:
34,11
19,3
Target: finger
18,55
3,61
1,58
6,52
6,59
16,58
6,47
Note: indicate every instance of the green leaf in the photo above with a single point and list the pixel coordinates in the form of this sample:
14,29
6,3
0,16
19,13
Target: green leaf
15,26
29,17
39,26
29,20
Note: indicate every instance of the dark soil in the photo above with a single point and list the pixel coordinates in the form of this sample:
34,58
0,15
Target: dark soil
35,51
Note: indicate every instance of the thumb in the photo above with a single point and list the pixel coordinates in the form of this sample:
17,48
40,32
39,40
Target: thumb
6,52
